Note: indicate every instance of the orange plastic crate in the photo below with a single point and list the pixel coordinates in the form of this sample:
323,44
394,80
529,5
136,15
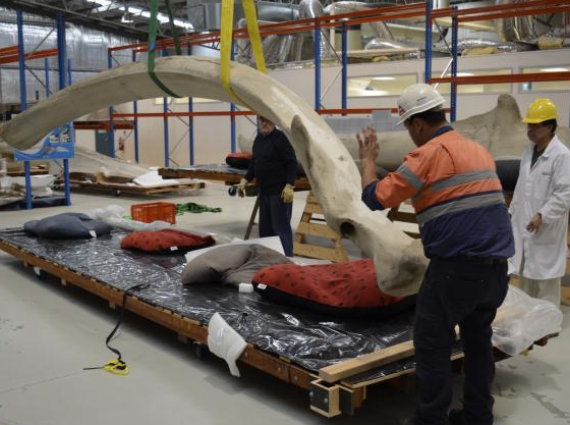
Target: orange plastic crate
147,213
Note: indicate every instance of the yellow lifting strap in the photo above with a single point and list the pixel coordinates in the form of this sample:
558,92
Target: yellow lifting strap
226,39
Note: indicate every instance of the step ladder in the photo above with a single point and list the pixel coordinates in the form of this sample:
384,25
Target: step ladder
313,224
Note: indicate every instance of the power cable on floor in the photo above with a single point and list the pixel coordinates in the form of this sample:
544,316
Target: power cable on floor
118,366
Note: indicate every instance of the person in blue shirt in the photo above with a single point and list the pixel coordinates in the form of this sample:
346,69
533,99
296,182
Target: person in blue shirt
466,234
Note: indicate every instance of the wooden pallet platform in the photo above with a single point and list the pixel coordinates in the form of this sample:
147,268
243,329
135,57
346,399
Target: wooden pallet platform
185,327
34,171
118,185
331,393
322,399
16,169
207,173
328,399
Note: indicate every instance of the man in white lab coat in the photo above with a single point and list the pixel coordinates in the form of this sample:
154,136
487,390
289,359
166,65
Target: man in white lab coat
539,209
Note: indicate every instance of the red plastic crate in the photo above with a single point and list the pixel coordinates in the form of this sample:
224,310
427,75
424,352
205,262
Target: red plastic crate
147,213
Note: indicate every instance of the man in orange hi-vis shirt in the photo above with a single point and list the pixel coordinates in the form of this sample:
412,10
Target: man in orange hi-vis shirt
467,235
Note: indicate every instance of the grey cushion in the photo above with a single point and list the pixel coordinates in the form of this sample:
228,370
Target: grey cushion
231,264
66,226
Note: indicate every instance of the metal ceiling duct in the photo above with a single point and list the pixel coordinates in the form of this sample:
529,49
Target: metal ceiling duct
310,9
519,28
532,29
206,15
441,4
377,43
276,48
277,12
380,29
467,46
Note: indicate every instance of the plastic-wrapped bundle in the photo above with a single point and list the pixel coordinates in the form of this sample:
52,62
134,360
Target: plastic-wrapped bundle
522,320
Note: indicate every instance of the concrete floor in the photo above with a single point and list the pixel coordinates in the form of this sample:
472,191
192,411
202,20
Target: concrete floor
48,333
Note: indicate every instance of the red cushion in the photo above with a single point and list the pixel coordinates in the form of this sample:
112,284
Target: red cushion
329,288
165,240
239,155
239,160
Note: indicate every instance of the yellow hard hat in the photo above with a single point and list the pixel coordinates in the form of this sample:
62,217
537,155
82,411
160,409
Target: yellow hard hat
541,110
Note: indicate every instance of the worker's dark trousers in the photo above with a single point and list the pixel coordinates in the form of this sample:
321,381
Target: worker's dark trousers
275,220
467,293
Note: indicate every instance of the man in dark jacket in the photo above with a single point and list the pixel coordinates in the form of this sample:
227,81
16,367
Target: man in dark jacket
274,166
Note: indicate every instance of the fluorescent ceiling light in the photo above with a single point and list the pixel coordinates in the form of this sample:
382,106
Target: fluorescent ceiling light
554,70
104,3
465,74
127,18
383,78
135,11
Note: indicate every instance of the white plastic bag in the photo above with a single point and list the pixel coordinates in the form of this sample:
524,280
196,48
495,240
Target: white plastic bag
225,342
522,320
113,215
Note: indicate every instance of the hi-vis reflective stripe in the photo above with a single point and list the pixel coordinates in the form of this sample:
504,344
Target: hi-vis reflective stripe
467,177
226,39
461,204
411,177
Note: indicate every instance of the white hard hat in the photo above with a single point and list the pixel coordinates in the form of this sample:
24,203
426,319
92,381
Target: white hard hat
418,98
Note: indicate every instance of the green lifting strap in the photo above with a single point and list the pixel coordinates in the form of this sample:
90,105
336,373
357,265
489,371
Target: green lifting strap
152,43
173,28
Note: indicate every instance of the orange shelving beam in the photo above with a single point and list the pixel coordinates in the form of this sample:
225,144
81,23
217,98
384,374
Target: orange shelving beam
180,114
507,78
10,54
349,111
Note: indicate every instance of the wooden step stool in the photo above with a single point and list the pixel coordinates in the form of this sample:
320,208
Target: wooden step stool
316,227
395,214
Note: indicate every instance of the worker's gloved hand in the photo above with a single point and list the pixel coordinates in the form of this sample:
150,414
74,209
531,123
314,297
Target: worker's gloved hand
287,194
241,188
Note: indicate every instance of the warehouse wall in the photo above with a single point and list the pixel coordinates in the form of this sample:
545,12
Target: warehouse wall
86,47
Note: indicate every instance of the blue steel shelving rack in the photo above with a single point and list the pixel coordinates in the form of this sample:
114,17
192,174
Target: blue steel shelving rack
64,151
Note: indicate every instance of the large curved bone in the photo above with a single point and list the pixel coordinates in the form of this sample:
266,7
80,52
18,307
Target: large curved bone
334,177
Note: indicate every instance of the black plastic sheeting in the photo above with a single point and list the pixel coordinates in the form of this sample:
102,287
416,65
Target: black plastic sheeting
508,173
310,340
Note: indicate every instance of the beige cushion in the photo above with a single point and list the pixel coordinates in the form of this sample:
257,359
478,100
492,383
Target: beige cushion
231,264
